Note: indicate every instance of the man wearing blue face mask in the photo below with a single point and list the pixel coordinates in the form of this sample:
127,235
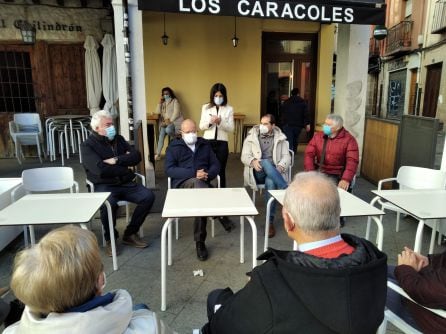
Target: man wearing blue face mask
334,152
106,157
191,163
266,158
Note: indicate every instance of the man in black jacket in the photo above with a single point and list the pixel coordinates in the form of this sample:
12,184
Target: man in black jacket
191,163
295,117
333,283
106,158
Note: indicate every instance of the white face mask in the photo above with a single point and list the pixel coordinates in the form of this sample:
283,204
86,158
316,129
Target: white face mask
263,129
218,100
190,138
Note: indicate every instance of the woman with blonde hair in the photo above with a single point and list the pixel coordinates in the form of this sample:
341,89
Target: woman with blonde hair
61,282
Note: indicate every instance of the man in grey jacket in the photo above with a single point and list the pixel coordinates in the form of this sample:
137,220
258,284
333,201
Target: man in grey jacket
266,158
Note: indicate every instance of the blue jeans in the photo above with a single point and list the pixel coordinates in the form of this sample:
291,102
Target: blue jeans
131,192
272,179
165,130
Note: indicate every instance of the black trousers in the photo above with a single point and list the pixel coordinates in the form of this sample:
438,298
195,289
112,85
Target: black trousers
200,223
131,192
221,150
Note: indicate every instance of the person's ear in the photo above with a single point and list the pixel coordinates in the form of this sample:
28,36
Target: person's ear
288,220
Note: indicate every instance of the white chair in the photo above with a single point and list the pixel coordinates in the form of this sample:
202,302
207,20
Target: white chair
391,317
46,179
288,177
176,219
121,203
411,177
26,129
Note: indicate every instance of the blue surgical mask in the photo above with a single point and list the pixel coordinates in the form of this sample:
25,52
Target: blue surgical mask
218,100
167,98
327,130
110,132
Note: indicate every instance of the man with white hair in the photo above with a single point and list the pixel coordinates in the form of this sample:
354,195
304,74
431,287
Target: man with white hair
334,152
106,158
333,283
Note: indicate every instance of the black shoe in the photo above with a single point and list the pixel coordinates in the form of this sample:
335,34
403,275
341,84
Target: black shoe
202,252
227,223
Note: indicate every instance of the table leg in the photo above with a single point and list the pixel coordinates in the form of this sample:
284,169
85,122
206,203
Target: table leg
418,236
72,136
268,212
32,235
367,231
380,232
242,239
163,262
434,230
112,235
169,245
254,241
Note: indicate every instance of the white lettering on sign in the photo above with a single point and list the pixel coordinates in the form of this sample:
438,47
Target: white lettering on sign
257,10
200,6
239,7
299,11
214,6
348,15
271,9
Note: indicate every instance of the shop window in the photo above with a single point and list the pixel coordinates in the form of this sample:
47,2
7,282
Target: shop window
16,84
396,92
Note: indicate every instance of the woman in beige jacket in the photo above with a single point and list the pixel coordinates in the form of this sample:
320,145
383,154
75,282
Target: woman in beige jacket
170,117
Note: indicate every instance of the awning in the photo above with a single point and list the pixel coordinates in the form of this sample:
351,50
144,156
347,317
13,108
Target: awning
348,12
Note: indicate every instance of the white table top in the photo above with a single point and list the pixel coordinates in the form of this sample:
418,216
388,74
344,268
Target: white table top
423,204
68,116
208,202
351,206
65,208
7,184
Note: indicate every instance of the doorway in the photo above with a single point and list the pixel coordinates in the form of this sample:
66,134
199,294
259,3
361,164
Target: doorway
432,90
288,61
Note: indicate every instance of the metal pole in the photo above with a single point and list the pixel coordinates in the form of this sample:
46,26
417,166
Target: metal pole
126,33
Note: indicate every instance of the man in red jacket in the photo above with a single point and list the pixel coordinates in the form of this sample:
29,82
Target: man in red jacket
334,152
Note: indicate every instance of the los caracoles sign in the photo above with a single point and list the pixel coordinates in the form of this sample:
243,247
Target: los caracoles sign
350,12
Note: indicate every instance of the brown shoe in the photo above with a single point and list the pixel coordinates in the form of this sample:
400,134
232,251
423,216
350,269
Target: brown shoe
135,241
271,231
108,249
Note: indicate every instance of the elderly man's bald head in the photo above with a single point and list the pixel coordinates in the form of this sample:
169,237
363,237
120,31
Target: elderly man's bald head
188,125
312,200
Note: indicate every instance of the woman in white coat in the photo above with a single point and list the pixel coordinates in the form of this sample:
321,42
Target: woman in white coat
61,282
217,121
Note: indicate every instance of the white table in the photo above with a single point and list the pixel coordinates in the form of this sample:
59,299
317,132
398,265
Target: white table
60,208
351,206
207,202
421,204
7,234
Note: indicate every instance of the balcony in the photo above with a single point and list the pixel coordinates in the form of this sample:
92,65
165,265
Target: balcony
399,38
373,47
439,21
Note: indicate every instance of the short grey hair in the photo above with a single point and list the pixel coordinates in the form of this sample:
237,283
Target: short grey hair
312,200
337,120
96,118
